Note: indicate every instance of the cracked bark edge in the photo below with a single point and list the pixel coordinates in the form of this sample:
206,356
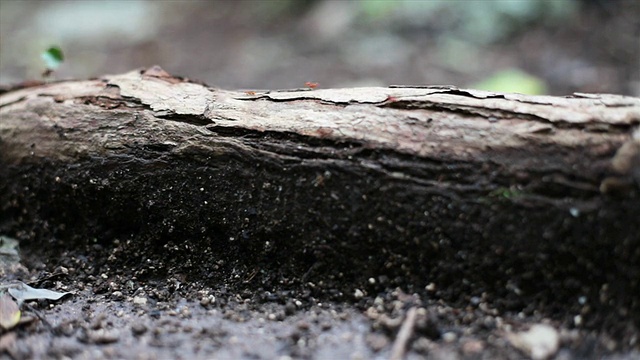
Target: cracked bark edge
419,184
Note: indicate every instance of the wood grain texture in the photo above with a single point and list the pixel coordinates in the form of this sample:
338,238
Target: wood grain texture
525,198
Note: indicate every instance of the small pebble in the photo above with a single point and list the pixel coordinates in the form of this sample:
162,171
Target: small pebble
541,341
449,337
103,336
377,342
472,347
358,294
138,329
138,300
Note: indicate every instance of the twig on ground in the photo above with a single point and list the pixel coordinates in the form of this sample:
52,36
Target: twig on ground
406,331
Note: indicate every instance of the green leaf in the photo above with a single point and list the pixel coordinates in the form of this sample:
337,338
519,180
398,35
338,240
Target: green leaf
512,81
53,57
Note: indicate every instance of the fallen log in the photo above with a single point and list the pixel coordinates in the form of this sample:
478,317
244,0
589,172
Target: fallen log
531,202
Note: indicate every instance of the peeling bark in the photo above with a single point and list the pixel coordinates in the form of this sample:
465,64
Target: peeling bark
525,199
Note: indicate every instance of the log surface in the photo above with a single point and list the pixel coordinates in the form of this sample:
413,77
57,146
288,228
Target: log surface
521,198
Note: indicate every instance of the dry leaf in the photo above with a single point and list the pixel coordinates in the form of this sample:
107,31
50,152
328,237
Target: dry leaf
22,291
8,341
9,312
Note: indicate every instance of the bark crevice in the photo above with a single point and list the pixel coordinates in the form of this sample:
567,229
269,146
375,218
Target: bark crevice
475,192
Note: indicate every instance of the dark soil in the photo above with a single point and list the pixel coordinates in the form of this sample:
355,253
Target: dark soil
120,311
152,278
154,292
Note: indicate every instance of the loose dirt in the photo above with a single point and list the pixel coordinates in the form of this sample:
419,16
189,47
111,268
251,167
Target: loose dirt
145,311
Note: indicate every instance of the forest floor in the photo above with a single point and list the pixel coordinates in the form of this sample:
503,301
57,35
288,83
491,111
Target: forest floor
116,311
119,311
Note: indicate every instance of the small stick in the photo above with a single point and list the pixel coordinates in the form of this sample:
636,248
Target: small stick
405,333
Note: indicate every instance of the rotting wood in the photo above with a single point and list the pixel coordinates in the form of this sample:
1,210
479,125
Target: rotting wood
524,198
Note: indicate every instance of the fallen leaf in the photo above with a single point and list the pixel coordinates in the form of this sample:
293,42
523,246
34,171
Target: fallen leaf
9,312
22,291
8,341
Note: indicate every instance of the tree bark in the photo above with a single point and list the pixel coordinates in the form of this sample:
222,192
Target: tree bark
456,193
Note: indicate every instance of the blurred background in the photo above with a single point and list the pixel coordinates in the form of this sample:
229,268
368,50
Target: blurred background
530,46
